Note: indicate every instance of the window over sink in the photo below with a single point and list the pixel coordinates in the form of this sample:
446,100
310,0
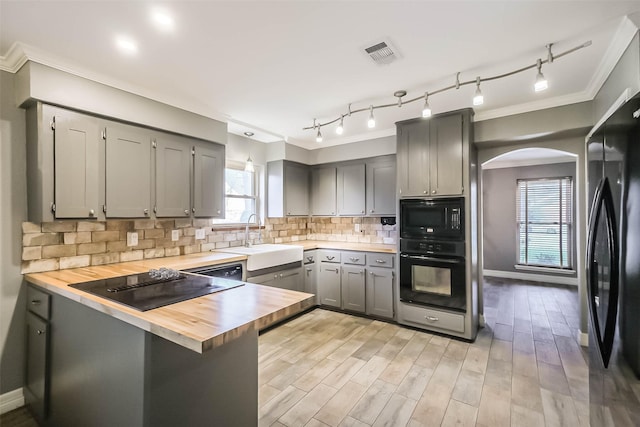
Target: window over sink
241,194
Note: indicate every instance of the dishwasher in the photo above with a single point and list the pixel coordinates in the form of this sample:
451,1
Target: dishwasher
226,271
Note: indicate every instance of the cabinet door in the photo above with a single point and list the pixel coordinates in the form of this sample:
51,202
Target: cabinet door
329,285
208,181
323,191
291,279
296,189
381,188
412,157
310,280
128,168
76,144
380,292
37,360
353,288
173,183
351,190
446,157
270,279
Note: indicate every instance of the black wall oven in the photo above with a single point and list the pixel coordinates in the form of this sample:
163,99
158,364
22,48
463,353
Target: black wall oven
432,218
433,273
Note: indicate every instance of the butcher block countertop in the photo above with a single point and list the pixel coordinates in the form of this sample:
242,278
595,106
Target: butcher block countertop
346,246
198,324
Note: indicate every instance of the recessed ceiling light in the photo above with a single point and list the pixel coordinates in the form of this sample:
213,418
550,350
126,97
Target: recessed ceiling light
162,19
126,45
249,134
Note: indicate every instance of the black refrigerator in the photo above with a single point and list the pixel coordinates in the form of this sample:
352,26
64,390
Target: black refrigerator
613,268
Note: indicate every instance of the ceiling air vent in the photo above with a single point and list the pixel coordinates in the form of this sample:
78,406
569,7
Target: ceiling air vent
381,53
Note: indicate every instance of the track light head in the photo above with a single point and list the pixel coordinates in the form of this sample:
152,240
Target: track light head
319,135
340,128
426,110
371,123
541,82
478,98
248,166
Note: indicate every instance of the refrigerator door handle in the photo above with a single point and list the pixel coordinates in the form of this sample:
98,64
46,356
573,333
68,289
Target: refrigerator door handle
603,205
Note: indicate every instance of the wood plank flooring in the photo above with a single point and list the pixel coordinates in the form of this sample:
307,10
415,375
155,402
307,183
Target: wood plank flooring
524,369
331,369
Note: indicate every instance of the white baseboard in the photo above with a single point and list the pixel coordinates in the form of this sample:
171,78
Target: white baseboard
11,400
583,338
573,281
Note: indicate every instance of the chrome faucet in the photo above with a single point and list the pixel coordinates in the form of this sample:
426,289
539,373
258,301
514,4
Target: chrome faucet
247,242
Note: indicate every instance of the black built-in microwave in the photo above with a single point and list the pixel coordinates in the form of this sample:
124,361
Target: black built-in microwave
432,218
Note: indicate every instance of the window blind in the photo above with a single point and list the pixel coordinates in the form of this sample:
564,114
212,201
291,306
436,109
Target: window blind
544,219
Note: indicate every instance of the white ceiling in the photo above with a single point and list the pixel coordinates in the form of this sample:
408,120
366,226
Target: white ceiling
273,66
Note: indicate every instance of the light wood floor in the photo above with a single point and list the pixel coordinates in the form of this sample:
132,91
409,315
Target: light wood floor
524,369
327,368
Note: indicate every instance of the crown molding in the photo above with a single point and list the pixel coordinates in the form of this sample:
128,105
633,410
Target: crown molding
624,35
528,107
14,59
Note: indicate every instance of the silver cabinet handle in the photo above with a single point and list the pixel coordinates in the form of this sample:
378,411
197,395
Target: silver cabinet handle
354,259
186,211
310,258
92,212
424,192
281,275
361,271
309,270
433,191
193,210
330,258
288,213
331,269
275,276
362,211
36,302
146,211
40,332
371,211
218,211
381,261
431,318
333,213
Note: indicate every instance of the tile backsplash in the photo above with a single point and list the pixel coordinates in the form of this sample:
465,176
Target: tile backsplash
70,244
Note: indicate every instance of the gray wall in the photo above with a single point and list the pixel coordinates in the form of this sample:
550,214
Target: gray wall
13,211
499,211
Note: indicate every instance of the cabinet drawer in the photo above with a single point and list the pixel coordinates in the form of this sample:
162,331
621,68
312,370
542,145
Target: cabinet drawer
434,318
328,256
309,257
380,260
357,258
38,302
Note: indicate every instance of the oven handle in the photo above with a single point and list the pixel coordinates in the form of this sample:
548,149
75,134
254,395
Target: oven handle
426,258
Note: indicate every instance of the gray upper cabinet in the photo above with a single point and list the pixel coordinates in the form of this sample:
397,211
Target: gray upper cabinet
446,155
323,191
412,156
432,155
77,144
172,172
287,189
381,188
128,172
208,180
351,189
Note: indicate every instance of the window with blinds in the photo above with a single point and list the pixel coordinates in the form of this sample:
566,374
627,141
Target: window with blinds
545,222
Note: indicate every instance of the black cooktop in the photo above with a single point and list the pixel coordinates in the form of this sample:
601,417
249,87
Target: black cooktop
147,291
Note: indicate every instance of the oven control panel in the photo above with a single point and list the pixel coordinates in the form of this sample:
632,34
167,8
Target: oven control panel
432,247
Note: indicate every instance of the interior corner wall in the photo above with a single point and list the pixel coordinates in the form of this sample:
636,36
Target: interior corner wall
499,211
13,211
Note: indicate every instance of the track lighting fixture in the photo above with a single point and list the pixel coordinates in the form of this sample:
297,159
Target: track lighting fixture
541,82
372,120
478,99
340,128
426,110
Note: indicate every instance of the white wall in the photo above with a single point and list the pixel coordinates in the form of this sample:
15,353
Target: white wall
355,150
13,211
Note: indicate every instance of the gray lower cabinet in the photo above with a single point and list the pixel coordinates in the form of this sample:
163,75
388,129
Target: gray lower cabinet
77,145
172,173
353,288
208,181
323,191
128,172
380,292
309,270
381,188
329,285
350,190
291,279
37,343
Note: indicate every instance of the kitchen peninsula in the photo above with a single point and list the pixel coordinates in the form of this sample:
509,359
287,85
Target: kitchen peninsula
190,363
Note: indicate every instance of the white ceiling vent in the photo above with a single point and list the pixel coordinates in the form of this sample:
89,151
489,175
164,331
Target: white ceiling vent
381,53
